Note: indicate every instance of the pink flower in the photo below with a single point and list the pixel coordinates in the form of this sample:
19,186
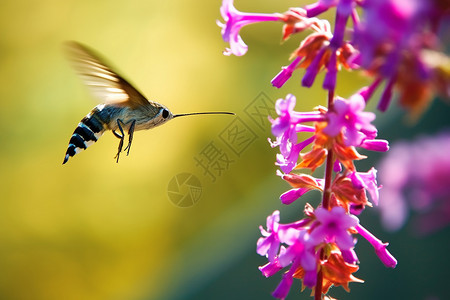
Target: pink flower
270,243
285,129
287,117
368,181
299,253
276,233
349,116
234,21
284,286
302,184
333,227
272,267
290,152
287,245
285,73
293,194
375,145
380,248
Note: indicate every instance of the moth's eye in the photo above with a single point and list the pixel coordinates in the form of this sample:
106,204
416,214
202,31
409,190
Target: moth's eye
165,113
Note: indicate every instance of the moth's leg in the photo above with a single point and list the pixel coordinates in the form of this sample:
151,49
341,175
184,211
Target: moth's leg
130,136
121,137
116,134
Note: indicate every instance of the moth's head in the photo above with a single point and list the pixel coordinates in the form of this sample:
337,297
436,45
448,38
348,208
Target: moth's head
163,115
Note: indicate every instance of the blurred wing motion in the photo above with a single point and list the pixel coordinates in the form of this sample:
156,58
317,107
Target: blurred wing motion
109,87
104,83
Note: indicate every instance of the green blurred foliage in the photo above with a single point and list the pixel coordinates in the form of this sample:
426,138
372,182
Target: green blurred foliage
94,229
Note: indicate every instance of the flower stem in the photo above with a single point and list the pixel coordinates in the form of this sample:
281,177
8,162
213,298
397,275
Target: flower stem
330,162
328,178
319,282
325,199
331,100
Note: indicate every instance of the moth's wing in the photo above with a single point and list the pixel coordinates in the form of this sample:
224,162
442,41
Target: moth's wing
104,83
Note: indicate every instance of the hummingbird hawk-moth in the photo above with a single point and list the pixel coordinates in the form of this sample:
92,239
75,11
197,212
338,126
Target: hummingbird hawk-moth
123,109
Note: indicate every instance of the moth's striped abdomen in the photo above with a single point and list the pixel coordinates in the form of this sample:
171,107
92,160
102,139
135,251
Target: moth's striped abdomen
88,131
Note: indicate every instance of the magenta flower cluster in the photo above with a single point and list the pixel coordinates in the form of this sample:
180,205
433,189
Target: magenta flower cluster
396,42
300,250
298,245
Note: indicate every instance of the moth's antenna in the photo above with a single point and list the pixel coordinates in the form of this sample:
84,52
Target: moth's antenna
205,113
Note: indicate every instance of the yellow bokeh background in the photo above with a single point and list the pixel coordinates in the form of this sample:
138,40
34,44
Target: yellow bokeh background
94,229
